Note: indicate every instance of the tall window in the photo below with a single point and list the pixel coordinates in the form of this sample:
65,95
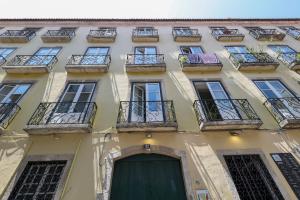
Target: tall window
283,100
285,53
215,101
144,31
39,180
292,31
241,53
146,102
12,93
4,53
43,56
95,55
191,50
145,55
183,31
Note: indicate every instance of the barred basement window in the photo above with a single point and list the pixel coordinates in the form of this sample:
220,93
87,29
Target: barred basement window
252,178
38,181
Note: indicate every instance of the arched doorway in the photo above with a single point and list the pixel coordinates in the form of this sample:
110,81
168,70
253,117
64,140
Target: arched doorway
148,177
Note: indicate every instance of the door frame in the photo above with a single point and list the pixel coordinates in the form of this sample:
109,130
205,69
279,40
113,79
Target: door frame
113,156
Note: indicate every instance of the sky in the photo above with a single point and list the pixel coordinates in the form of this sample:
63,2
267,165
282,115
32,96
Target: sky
150,9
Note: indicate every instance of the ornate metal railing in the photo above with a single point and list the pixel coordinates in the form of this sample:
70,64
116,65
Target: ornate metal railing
284,108
226,32
142,33
209,59
109,32
33,60
145,59
146,112
7,113
291,58
64,113
185,32
251,58
2,60
19,33
89,60
224,109
266,34
295,33
65,33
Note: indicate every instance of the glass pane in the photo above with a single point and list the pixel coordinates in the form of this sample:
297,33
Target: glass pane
237,49
69,97
21,89
84,97
97,51
283,91
73,88
88,87
4,52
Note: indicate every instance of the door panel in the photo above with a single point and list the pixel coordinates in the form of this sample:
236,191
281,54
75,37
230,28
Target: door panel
95,55
147,177
145,55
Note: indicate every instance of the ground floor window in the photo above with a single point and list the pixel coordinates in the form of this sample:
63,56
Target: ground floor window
252,178
38,181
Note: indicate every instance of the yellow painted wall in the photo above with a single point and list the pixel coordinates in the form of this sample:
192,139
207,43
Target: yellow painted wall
205,168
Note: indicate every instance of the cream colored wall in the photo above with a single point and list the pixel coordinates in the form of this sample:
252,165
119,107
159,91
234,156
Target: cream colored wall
83,182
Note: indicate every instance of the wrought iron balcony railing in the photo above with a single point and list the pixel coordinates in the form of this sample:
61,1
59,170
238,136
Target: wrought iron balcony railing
7,113
102,35
33,60
161,113
64,33
2,60
145,59
224,110
142,33
227,34
27,34
267,34
251,58
86,60
207,59
284,109
291,59
187,32
64,113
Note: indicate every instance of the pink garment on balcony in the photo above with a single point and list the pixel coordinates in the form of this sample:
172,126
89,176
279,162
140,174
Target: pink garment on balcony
209,58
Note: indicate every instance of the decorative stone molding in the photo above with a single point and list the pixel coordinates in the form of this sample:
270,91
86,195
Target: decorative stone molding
113,156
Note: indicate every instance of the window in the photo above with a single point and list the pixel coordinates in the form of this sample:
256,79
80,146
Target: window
144,31
145,55
146,102
285,53
281,98
39,180
76,97
95,55
291,30
217,104
12,93
252,178
241,53
43,56
106,31
191,50
183,31
5,52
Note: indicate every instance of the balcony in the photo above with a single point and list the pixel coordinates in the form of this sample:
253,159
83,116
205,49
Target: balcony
58,36
30,64
226,114
286,111
228,35
200,62
135,116
7,113
253,61
17,36
102,35
267,34
2,60
145,63
186,35
145,36
88,63
292,60
62,117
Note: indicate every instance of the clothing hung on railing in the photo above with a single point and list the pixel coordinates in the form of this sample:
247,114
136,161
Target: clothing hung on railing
209,58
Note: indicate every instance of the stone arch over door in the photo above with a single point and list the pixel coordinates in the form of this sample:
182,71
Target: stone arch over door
113,156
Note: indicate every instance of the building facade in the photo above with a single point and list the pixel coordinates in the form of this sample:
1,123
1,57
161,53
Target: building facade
149,109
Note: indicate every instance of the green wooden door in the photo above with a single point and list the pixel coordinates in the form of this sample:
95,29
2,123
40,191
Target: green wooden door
148,177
